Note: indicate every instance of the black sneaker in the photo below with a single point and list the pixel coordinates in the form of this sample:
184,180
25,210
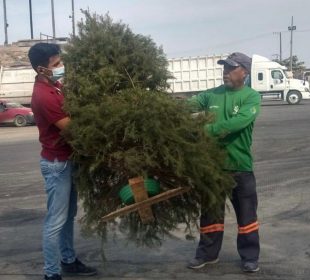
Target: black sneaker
199,263
250,266
53,277
77,268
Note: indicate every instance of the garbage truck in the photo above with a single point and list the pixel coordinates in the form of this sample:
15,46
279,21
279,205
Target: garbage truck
272,80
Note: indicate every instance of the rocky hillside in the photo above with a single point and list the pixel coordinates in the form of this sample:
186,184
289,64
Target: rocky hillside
13,56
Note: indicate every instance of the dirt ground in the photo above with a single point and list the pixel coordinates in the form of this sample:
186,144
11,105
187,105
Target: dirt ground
282,166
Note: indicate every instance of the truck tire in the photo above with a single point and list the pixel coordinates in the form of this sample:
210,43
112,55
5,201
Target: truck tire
293,97
20,121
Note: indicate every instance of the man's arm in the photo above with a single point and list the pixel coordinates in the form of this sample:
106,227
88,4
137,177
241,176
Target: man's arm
198,102
247,114
63,123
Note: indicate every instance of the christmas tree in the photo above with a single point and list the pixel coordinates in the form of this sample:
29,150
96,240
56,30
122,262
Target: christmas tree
125,125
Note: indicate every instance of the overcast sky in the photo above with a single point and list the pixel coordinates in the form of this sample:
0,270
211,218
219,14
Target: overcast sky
183,27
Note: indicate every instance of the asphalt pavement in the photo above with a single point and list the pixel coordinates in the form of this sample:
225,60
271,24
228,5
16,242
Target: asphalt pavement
281,147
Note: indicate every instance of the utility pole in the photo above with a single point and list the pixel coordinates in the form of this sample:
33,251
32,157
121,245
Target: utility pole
31,26
291,28
72,17
5,23
280,36
53,19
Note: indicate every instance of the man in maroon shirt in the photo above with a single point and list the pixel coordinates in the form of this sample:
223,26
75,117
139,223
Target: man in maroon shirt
47,102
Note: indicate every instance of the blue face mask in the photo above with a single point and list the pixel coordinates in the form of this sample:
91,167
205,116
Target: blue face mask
58,73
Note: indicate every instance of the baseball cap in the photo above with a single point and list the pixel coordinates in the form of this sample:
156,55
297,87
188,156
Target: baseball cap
237,59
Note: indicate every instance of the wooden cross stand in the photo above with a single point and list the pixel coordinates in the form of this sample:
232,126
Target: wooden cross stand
143,202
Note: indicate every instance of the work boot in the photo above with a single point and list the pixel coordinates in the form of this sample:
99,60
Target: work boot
199,263
250,266
77,268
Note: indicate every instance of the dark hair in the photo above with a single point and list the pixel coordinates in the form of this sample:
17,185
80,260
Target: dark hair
40,53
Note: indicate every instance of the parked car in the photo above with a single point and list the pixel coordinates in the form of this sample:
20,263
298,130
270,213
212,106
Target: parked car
15,113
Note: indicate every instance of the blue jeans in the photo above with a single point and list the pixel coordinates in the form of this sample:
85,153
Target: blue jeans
61,210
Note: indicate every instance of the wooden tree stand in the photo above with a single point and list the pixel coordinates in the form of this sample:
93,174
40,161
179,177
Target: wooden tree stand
143,202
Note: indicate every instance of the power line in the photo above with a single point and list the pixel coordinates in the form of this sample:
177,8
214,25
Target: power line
221,45
305,30
245,39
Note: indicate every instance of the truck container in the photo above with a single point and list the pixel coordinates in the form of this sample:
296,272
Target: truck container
194,74
269,78
16,84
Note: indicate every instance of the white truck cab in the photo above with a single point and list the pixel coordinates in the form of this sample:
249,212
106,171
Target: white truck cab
195,74
273,80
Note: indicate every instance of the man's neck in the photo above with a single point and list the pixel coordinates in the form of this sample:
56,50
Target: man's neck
44,79
236,88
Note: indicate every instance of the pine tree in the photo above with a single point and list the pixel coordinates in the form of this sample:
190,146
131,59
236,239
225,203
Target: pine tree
125,125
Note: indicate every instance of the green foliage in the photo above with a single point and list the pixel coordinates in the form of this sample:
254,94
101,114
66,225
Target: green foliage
124,126
298,66
138,132
107,57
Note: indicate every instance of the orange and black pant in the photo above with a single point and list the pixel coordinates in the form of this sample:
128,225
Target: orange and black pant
244,201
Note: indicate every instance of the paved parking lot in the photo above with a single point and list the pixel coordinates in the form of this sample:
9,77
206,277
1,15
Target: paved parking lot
282,166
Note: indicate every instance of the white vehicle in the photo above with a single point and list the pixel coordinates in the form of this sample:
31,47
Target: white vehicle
16,84
269,78
191,75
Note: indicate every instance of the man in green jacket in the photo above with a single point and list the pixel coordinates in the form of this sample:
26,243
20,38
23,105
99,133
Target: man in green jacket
235,107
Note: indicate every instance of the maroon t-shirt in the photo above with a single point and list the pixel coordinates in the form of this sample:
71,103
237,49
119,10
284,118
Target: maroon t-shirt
46,103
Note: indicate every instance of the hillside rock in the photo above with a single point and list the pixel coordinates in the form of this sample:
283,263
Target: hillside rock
14,56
